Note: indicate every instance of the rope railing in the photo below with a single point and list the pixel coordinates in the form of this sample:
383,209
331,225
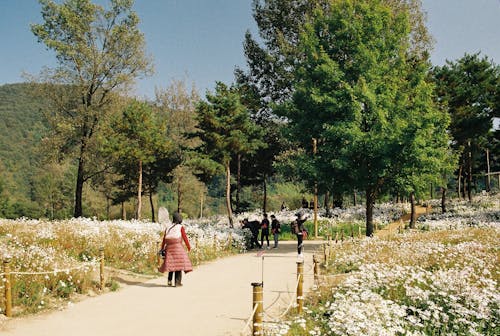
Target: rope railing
290,305
7,274
250,319
56,271
259,311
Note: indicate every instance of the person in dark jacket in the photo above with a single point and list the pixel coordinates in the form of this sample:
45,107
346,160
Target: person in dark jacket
297,228
264,231
275,229
253,226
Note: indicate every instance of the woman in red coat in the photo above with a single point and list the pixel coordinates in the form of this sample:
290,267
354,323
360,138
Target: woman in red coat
176,258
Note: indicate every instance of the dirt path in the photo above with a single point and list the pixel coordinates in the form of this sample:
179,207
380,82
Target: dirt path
393,227
216,299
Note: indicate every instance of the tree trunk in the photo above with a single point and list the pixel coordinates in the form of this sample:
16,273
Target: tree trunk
179,194
124,213
488,180
464,184
108,207
228,195
264,203
443,200
459,180
326,205
370,200
315,210
201,205
354,199
238,183
469,177
153,217
413,214
79,188
139,192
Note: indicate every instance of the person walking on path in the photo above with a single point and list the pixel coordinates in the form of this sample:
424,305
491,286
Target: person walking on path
264,231
297,228
176,259
275,229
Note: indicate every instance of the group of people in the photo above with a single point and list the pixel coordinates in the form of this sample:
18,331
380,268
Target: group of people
296,227
176,259
263,227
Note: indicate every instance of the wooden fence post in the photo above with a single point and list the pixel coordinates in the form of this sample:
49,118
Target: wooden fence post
8,288
101,268
258,300
316,269
197,250
326,253
300,278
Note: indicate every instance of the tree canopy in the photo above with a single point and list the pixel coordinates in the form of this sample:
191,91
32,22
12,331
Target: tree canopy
100,52
363,94
469,90
225,130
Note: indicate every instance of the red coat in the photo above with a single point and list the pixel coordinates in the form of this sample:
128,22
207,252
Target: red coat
176,258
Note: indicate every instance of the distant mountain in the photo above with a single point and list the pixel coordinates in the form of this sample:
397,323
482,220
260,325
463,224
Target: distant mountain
21,128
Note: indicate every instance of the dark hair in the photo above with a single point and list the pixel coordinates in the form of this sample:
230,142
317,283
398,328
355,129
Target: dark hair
177,218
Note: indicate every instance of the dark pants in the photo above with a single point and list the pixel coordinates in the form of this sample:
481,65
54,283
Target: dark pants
299,243
178,277
264,233
255,241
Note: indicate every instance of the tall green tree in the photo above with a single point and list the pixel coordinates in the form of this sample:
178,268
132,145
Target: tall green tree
138,139
272,59
100,52
177,105
225,130
469,89
272,56
362,92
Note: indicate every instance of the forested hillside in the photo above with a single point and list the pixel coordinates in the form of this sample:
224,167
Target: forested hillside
21,128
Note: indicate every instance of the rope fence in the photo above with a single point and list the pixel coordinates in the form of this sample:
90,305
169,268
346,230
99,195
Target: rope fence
322,254
7,274
216,244
290,305
296,300
56,271
247,324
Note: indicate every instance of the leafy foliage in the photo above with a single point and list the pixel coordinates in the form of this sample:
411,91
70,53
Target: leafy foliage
366,101
99,53
469,90
226,130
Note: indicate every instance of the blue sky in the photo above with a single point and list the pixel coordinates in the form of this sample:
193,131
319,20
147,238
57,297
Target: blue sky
201,40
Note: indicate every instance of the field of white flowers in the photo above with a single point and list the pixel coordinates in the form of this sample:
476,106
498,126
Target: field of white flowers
51,261
442,279
439,279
